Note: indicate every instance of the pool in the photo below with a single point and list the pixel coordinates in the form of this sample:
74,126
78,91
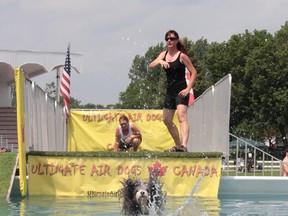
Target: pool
237,196
254,205
223,205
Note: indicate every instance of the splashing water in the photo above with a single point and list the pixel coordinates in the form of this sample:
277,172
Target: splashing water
190,207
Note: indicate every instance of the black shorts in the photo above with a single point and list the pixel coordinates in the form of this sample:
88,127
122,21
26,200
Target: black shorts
123,145
171,102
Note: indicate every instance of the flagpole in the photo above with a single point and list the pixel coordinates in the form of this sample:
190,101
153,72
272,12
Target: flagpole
57,84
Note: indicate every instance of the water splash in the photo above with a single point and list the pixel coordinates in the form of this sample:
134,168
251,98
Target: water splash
156,207
190,206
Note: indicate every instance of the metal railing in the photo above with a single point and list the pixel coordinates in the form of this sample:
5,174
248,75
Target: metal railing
249,159
4,144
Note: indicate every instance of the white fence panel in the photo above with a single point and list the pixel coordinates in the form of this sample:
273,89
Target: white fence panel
209,119
45,121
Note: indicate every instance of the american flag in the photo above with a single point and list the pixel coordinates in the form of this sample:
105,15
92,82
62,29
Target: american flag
65,82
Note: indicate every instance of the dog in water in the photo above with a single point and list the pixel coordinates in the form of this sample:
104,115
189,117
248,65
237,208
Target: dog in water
142,197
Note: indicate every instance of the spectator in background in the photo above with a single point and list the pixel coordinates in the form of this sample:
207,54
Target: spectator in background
285,164
127,137
271,148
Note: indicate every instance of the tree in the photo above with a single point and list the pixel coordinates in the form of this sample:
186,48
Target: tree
277,102
145,90
258,63
51,90
197,52
244,53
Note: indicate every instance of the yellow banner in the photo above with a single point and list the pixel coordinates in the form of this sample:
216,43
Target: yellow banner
19,82
95,130
94,176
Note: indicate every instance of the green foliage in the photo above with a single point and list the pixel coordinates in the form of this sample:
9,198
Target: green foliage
142,154
8,162
257,62
51,90
146,90
259,92
198,53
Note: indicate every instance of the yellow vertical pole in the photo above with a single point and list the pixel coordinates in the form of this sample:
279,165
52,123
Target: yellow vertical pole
19,83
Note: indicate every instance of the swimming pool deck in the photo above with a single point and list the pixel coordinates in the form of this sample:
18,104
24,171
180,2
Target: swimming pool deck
265,185
231,185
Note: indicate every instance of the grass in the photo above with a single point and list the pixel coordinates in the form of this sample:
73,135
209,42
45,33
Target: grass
129,154
7,163
257,173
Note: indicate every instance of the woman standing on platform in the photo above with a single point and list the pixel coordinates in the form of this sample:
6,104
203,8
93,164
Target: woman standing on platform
175,61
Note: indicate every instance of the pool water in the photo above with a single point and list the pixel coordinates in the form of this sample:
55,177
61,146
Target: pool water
254,204
223,205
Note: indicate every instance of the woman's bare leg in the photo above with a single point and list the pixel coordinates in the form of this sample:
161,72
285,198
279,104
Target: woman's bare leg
168,115
184,126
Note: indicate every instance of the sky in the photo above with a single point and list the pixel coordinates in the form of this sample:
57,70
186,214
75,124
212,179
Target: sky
110,33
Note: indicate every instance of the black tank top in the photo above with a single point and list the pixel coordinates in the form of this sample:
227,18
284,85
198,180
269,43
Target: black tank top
175,76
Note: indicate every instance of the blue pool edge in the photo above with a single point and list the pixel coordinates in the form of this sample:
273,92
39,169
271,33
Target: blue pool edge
229,185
